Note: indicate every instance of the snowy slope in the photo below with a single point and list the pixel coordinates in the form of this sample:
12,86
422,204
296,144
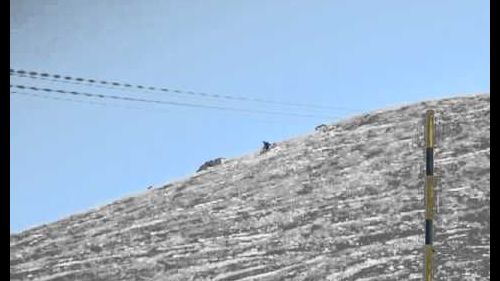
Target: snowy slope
343,203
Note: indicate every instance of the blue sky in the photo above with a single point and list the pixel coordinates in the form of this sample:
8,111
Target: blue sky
361,55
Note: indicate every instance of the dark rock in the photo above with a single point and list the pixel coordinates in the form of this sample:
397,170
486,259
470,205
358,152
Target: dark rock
210,163
321,128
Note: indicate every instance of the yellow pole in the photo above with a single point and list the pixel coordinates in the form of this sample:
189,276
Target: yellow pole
429,194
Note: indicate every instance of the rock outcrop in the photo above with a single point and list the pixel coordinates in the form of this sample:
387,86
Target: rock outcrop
210,163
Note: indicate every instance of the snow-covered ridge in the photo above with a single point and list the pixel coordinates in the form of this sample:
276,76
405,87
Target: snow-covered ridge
342,203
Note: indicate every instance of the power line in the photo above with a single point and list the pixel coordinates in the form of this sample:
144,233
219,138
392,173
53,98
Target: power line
45,96
64,81
48,96
151,101
121,85
54,98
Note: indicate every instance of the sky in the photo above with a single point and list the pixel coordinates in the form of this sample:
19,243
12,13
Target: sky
354,57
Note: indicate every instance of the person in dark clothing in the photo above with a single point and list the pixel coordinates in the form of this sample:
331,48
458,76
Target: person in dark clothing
266,146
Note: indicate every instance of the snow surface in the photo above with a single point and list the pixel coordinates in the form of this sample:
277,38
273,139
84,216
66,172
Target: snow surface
343,203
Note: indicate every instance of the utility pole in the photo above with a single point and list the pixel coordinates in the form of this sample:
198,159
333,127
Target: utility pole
429,194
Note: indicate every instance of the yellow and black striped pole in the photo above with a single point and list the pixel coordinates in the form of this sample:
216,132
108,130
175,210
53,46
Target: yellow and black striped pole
429,193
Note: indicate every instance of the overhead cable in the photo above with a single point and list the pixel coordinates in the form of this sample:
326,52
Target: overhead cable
114,84
163,102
